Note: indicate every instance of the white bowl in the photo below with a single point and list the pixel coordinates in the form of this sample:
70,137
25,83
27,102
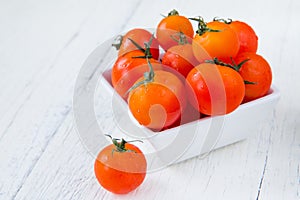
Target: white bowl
203,135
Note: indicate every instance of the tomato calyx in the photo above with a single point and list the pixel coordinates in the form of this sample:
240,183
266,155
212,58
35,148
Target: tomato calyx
120,145
145,50
202,27
180,38
233,66
173,13
148,77
228,21
118,41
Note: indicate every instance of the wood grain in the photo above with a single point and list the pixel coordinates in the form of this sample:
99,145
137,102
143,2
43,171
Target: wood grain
42,48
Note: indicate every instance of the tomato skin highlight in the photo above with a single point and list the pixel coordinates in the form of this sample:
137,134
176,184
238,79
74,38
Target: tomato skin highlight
158,104
169,26
221,44
140,36
181,58
247,37
256,70
215,90
120,172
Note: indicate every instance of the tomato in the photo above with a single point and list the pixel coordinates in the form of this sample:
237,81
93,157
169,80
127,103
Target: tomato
256,70
189,114
127,70
215,90
247,37
120,169
169,26
140,36
217,39
181,58
159,102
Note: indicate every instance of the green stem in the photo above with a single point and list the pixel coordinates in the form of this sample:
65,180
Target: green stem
180,38
120,145
202,27
146,50
118,42
233,66
137,45
173,13
148,77
216,61
228,21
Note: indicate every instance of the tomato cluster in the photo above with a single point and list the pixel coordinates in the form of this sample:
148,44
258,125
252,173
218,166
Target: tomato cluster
178,74
212,68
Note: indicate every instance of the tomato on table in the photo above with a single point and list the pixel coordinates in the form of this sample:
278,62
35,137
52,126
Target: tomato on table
214,39
120,167
169,26
257,71
214,89
140,36
157,100
180,57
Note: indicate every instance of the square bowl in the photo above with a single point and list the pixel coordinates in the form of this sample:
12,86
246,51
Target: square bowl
200,136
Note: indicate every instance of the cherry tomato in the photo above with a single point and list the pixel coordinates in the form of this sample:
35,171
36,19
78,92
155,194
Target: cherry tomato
247,37
189,114
181,58
158,103
214,89
169,26
217,39
256,70
120,167
127,70
140,36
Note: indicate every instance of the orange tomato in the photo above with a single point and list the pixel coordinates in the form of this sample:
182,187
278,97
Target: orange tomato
140,36
215,90
181,58
127,70
120,170
169,27
215,39
159,103
256,70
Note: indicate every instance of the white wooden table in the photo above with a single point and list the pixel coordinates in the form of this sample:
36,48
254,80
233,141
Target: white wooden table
43,45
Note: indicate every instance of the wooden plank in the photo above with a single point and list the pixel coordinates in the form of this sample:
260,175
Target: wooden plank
44,159
165,178
40,96
281,179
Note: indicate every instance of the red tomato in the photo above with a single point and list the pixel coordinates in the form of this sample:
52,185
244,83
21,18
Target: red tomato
120,169
169,27
140,36
256,70
127,70
214,89
181,58
159,103
189,114
247,37
217,39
